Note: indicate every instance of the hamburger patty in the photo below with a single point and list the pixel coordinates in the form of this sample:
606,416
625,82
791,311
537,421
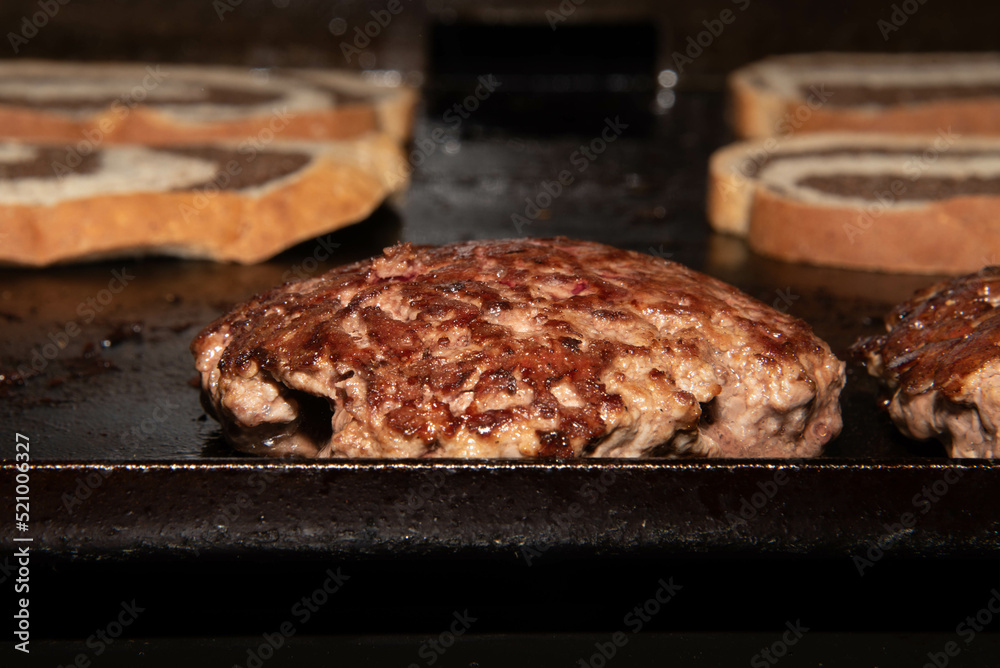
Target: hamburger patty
517,348
940,359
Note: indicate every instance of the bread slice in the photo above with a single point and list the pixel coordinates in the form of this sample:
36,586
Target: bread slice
734,169
226,201
920,204
96,103
890,93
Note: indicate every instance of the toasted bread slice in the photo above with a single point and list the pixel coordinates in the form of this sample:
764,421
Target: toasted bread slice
922,204
96,103
887,93
229,201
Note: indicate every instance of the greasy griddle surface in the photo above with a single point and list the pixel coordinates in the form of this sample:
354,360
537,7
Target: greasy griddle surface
115,372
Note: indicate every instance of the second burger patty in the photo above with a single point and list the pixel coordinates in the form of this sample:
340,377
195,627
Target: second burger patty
517,348
940,361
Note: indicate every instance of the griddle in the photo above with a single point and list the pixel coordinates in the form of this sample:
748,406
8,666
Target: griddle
126,465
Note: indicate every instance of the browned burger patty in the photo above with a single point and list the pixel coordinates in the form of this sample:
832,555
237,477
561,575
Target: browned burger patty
517,348
940,357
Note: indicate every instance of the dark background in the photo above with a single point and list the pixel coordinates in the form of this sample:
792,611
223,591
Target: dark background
648,194
296,32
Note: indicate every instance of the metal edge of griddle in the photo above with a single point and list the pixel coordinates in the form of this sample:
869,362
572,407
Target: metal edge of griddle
445,508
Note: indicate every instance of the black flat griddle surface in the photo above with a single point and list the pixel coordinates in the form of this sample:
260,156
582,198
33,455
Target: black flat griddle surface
115,400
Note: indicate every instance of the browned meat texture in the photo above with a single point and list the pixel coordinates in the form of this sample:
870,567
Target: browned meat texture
940,358
517,348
